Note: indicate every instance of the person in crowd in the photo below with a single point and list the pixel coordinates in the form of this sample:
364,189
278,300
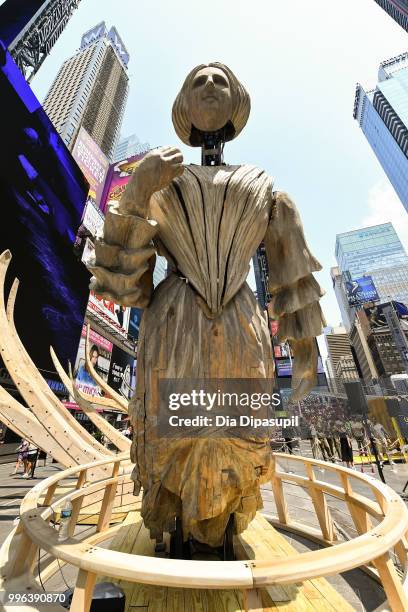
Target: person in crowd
383,441
128,432
346,447
32,455
22,451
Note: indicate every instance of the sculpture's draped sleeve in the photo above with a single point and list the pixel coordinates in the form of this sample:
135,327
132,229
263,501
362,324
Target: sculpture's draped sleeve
295,293
124,259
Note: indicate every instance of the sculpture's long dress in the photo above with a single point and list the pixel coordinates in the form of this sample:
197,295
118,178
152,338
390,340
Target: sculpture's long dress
208,223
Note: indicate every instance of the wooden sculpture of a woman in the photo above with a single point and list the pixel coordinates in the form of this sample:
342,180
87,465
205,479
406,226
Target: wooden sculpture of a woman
203,320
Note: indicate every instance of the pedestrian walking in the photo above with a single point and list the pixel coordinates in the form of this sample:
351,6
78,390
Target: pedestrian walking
22,451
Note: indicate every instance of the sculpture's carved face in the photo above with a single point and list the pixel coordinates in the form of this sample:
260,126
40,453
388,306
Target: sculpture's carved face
210,100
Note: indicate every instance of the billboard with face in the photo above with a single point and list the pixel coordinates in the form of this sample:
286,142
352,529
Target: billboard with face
100,355
361,290
93,163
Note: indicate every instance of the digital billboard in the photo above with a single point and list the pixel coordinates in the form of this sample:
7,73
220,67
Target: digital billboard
135,319
93,163
114,314
283,353
121,372
117,179
100,352
361,290
42,196
376,317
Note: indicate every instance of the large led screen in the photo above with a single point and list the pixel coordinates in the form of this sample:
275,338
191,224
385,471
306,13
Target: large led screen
42,196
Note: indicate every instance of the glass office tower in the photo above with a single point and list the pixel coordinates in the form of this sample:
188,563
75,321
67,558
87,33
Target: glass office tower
383,116
375,251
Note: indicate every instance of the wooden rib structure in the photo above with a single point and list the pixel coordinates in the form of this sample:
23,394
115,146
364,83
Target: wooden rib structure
257,578
88,407
46,422
118,399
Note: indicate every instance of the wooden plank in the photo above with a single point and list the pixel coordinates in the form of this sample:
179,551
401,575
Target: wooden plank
82,597
259,541
391,582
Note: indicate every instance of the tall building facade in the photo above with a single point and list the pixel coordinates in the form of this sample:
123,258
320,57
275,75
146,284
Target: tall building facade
397,9
91,89
372,251
383,116
31,29
129,146
339,353
347,312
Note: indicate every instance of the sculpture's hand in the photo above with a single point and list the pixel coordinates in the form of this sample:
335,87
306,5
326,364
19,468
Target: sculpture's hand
155,172
304,374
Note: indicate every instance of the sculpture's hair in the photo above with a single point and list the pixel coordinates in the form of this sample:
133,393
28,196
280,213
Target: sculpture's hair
241,103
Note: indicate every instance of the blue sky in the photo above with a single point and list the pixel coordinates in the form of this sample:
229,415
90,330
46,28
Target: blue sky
300,62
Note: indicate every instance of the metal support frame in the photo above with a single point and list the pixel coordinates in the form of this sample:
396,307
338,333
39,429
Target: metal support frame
35,42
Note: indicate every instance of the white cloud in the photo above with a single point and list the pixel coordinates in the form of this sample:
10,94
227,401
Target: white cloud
384,205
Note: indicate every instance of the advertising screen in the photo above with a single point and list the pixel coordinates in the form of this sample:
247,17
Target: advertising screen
114,314
100,353
121,372
283,353
93,163
42,197
376,317
117,179
134,322
361,290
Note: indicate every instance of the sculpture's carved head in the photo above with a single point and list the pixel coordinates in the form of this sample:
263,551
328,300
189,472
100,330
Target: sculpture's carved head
211,99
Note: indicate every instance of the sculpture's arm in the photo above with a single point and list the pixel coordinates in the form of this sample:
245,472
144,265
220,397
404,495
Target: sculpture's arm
294,290
124,256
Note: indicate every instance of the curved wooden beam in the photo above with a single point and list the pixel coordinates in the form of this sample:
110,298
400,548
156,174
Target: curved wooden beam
22,421
98,379
103,402
119,440
96,400
42,384
44,410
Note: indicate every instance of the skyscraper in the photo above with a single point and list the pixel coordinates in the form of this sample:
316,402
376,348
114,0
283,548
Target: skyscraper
397,9
31,29
369,248
374,251
339,285
340,356
91,89
383,116
129,146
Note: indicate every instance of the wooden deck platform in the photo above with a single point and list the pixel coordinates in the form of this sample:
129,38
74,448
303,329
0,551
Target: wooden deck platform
259,541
